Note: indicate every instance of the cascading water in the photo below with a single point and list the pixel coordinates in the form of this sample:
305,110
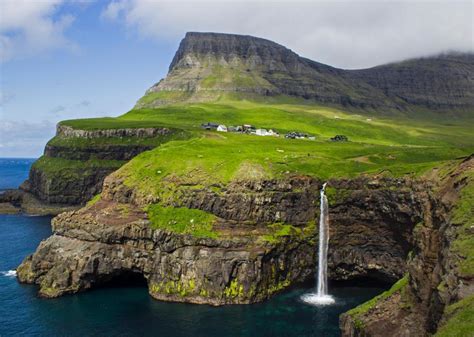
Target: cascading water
321,296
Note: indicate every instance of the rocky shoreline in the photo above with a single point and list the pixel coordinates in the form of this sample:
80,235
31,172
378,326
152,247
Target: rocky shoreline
18,201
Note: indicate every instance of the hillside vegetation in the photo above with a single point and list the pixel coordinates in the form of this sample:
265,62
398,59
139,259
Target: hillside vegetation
394,146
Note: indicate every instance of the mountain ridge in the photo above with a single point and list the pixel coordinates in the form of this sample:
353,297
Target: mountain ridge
208,64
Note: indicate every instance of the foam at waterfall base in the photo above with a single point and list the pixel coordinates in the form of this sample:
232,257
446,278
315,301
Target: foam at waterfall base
315,299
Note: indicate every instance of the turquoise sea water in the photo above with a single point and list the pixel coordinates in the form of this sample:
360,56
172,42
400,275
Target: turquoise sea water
129,311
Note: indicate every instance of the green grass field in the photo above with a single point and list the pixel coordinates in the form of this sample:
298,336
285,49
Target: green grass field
393,145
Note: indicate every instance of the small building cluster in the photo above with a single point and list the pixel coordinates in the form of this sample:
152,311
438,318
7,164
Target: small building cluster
250,129
246,128
298,135
209,126
339,138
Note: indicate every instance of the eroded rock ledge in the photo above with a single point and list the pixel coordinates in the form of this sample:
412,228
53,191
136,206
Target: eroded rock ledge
371,225
439,283
69,132
85,252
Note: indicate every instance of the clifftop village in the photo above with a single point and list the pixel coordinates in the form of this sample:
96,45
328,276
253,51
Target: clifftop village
252,130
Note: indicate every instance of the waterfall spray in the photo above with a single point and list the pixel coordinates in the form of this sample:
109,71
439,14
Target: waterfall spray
321,296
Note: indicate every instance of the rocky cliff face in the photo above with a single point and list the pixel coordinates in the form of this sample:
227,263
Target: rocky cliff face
66,131
87,250
207,64
371,222
76,161
440,279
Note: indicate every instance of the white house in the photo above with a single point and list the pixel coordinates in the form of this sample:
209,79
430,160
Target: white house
273,133
261,132
222,128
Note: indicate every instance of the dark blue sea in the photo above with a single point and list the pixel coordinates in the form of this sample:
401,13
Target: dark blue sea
130,311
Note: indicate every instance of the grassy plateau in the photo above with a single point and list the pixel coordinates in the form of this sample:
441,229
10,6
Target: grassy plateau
392,145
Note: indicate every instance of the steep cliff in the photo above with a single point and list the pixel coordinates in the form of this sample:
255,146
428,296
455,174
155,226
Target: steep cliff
76,161
436,295
208,65
261,240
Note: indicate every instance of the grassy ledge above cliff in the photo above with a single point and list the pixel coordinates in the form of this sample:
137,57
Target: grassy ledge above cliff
460,321
182,220
364,308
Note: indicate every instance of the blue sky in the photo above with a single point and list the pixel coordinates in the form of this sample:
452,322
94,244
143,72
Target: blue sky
65,59
102,74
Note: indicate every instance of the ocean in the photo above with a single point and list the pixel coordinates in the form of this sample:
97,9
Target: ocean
129,311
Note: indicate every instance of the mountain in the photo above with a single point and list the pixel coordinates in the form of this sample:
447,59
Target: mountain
208,65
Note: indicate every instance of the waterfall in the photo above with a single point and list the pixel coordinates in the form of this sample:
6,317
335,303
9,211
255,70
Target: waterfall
323,245
321,296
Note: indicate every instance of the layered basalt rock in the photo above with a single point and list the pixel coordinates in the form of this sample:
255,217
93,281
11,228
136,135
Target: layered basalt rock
442,82
85,164
90,247
371,222
19,201
82,185
433,280
251,65
69,132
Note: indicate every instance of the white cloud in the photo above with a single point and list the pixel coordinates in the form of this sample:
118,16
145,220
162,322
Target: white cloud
114,9
347,34
21,138
29,27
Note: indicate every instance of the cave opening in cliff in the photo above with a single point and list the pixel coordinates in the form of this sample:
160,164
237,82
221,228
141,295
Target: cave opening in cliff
121,279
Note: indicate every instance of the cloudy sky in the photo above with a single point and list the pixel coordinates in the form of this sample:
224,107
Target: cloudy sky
63,59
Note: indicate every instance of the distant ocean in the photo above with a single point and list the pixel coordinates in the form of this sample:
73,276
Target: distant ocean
129,311
13,171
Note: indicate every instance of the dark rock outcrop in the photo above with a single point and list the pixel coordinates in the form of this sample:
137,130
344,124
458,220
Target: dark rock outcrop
69,132
443,82
77,187
85,165
434,278
19,201
371,222
88,248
